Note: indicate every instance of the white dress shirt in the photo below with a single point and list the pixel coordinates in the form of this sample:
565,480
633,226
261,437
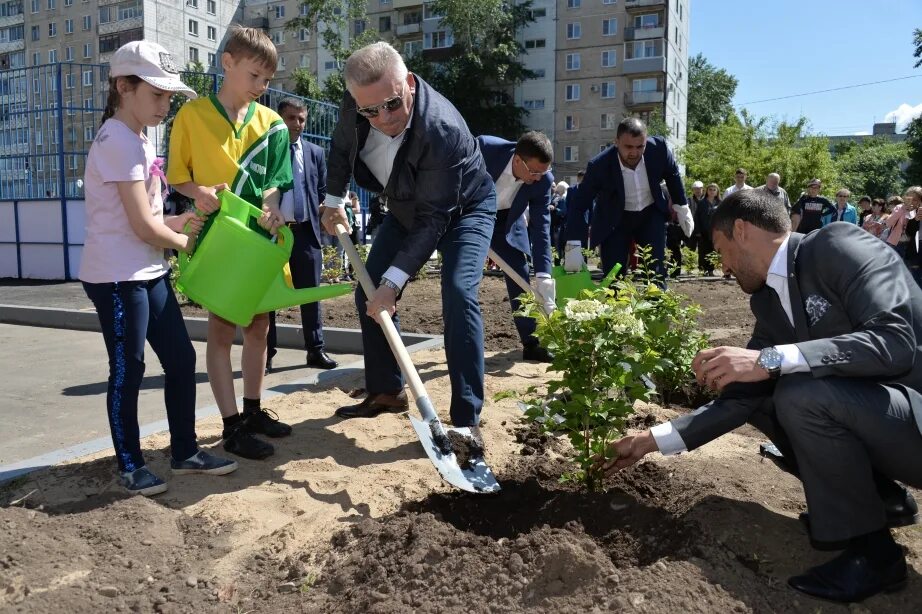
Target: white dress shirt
667,437
287,205
507,187
733,189
637,195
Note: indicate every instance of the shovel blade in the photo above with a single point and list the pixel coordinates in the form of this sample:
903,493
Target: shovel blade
478,479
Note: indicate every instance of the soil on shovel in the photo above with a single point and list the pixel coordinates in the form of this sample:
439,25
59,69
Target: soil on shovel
465,448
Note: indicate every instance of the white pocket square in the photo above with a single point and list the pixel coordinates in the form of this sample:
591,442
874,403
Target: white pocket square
816,307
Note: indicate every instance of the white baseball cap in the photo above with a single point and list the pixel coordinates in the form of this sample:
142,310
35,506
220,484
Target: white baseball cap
150,62
697,184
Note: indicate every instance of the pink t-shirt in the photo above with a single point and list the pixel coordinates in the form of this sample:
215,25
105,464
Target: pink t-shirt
111,250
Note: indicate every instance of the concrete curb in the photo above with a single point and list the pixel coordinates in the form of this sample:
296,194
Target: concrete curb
336,340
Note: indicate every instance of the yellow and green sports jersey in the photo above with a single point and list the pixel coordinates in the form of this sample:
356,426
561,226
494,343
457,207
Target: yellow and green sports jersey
208,148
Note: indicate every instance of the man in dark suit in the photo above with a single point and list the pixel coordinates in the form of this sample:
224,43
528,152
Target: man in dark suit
301,206
521,172
624,182
832,374
400,138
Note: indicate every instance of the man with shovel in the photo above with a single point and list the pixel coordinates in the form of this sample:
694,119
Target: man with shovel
400,138
523,180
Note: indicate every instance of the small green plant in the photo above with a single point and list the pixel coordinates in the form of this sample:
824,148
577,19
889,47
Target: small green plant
362,249
308,583
332,264
690,259
714,260
601,358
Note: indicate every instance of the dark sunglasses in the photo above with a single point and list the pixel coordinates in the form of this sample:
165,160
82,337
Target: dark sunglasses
391,104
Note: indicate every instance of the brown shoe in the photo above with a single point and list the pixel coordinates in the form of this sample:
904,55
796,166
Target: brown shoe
374,405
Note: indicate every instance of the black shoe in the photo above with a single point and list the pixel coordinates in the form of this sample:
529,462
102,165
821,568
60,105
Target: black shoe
849,578
265,422
238,440
268,366
374,405
537,353
321,360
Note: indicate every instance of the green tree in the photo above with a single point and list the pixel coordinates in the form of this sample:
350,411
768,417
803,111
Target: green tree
305,84
913,173
761,147
917,43
710,92
871,167
484,66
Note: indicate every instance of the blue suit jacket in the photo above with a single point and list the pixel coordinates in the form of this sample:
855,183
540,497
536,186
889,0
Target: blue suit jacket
315,183
603,184
850,215
535,197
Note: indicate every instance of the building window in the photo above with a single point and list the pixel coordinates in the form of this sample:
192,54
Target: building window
279,11
87,104
603,147
644,85
573,61
211,7
193,27
608,89
644,49
36,33
535,43
358,27
52,56
87,22
305,10
573,91
441,39
649,20
52,4
88,78
305,61
36,6
329,65
571,153
610,26
192,3
88,50
608,1
68,54
278,38
212,60
68,26
540,73
609,121
573,4
609,58
411,48
212,33
429,12
384,23
193,54
36,58
571,123
536,14
304,35
69,81
574,30
534,104
282,62
52,29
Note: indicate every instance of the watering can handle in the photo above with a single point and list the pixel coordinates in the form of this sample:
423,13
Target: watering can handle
183,257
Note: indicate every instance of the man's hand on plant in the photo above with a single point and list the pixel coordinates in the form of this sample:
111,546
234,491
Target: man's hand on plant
573,257
625,452
717,367
384,297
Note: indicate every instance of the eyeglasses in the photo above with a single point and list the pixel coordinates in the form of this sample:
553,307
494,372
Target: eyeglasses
391,104
531,172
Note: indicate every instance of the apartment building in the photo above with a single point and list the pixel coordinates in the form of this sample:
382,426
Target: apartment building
616,58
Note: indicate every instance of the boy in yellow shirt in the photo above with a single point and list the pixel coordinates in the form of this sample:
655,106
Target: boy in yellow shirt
228,141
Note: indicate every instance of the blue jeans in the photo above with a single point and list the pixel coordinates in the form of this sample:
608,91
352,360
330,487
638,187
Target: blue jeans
131,312
464,250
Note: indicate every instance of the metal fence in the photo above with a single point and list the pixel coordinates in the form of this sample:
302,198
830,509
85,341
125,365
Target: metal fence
48,119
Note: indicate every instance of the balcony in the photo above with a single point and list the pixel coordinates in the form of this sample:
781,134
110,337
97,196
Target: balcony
12,46
132,23
11,20
643,4
405,4
632,99
408,28
640,65
631,34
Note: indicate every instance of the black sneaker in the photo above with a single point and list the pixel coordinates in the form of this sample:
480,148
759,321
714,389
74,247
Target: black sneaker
238,440
537,353
264,421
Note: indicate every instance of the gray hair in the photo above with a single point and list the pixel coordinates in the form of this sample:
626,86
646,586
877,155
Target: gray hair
774,176
373,62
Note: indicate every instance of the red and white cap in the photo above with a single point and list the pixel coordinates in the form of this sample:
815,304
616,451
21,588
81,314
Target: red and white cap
150,62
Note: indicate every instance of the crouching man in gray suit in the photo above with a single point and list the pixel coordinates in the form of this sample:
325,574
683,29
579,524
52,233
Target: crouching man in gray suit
832,374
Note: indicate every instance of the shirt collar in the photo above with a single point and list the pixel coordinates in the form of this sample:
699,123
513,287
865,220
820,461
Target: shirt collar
507,172
633,170
779,265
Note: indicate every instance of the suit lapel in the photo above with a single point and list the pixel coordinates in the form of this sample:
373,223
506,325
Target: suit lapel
797,302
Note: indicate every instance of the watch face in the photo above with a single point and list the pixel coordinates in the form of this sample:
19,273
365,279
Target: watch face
770,359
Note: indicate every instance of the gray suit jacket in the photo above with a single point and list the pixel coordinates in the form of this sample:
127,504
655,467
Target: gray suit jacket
857,314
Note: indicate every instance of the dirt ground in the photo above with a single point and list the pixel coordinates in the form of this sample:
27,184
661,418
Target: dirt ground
350,516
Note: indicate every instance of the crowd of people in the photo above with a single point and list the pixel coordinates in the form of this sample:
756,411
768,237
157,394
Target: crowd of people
832,373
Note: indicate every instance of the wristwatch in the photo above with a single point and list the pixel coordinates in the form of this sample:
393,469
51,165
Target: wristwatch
387,282
770,360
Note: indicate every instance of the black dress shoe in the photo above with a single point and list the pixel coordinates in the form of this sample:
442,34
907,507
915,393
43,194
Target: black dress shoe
537,353
321,360
268,366
375,405
849,578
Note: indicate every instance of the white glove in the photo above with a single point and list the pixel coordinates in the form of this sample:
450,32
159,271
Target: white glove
547,293
686,221
573,257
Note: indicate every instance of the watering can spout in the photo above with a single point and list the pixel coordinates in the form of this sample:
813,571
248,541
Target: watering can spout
570,285
280,296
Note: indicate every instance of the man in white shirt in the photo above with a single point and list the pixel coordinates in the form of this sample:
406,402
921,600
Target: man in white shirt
740,184
832,374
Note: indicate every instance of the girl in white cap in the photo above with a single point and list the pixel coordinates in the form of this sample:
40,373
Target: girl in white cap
123,268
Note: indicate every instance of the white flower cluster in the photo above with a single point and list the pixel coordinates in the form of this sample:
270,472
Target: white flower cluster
624,322
586,309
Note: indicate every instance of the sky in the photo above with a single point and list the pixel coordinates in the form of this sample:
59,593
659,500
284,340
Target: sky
782,47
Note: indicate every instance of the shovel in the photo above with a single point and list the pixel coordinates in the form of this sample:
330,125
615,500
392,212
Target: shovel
477,477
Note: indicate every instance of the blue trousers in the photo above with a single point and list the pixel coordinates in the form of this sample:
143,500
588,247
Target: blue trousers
519,263
131,312
464,250
304,263
646,227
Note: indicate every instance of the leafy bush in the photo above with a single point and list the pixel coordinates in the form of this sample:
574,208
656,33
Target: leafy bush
690,259
332,264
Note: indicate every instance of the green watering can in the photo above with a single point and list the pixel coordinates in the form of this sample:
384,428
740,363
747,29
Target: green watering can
237,272
569,285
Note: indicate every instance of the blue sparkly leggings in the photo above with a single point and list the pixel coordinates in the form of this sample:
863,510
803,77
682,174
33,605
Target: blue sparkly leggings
131,312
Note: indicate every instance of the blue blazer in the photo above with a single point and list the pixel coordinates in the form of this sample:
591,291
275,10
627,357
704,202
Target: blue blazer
535,197
315,183
603,184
